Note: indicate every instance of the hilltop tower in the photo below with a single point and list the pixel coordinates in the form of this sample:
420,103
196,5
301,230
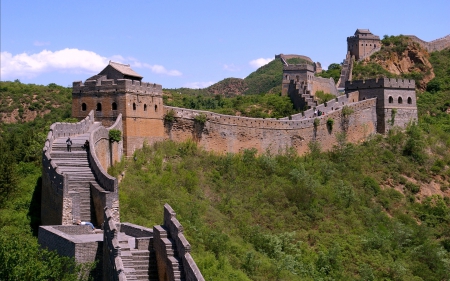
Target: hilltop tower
118,89
300,83
396,100
363,44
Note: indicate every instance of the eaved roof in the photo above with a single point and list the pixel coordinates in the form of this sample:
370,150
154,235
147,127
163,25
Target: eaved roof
125,69
359,31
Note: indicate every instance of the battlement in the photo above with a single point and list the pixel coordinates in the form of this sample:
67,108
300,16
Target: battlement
116,85
299,67
381,83
363,36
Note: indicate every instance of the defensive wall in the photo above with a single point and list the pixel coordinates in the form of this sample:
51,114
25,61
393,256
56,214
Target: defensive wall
58,202
224,133
435,45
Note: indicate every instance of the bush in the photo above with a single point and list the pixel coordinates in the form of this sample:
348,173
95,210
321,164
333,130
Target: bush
170,116
414,188
200,118
115,135
330,122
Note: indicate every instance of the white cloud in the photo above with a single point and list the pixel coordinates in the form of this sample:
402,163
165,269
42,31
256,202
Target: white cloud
260,62
198,85
231,67
71,60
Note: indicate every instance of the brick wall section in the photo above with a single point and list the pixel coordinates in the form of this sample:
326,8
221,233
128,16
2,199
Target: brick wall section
224,133
113,268
175,231
64,240
435,45
54,187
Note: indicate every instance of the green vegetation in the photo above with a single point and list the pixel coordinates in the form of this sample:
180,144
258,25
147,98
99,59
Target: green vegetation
21,97
170,116
334,71
322,97
115,135
330,123
200,119
259,106
368,70
265,79
441,66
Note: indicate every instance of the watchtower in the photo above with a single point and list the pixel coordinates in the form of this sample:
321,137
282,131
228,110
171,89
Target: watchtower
363,44
118,89
396,100
297,73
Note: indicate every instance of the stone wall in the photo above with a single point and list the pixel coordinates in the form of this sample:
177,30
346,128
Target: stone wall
326,85
435,45
56,199
65,240
224,133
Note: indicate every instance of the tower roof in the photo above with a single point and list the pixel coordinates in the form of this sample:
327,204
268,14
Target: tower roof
361,31
125,69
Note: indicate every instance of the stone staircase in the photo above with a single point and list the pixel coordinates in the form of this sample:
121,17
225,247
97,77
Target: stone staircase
75,165
138,264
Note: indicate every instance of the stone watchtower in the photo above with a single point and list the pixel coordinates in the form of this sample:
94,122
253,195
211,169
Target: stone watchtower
396,100
363,44
118,89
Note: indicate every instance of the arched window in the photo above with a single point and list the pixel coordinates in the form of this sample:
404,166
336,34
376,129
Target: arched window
391,100
156,108
400,100
134,106
83,107
99,107
114,106
145,107
364,98
409,100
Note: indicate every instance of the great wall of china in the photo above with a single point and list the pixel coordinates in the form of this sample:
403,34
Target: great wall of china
76,185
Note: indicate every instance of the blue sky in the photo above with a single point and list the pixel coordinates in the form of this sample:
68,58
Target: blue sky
193,43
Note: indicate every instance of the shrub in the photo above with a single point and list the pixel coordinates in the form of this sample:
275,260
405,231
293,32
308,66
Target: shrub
115,135
316,122
200,118
347,111
414,188
330,122
170,116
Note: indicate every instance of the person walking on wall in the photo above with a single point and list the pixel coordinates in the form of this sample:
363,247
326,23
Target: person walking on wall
69,144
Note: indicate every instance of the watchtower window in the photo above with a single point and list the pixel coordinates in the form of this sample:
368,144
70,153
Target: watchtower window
391,100
409,100
145,107
134,106
400,100
114,106
83,107
99,107
156,108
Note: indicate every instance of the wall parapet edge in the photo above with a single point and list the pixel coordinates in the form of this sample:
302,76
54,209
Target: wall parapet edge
106,181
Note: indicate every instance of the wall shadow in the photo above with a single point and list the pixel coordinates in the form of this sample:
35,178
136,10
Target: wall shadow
34,210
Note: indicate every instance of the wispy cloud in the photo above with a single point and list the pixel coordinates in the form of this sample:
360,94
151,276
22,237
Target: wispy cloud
198,85
231,67
67,60
40,43
260,62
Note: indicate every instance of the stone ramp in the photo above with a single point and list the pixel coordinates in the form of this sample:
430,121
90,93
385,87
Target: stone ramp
75,165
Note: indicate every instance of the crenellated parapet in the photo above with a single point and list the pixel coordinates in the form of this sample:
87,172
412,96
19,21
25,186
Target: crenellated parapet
299,67
103,85
381,83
